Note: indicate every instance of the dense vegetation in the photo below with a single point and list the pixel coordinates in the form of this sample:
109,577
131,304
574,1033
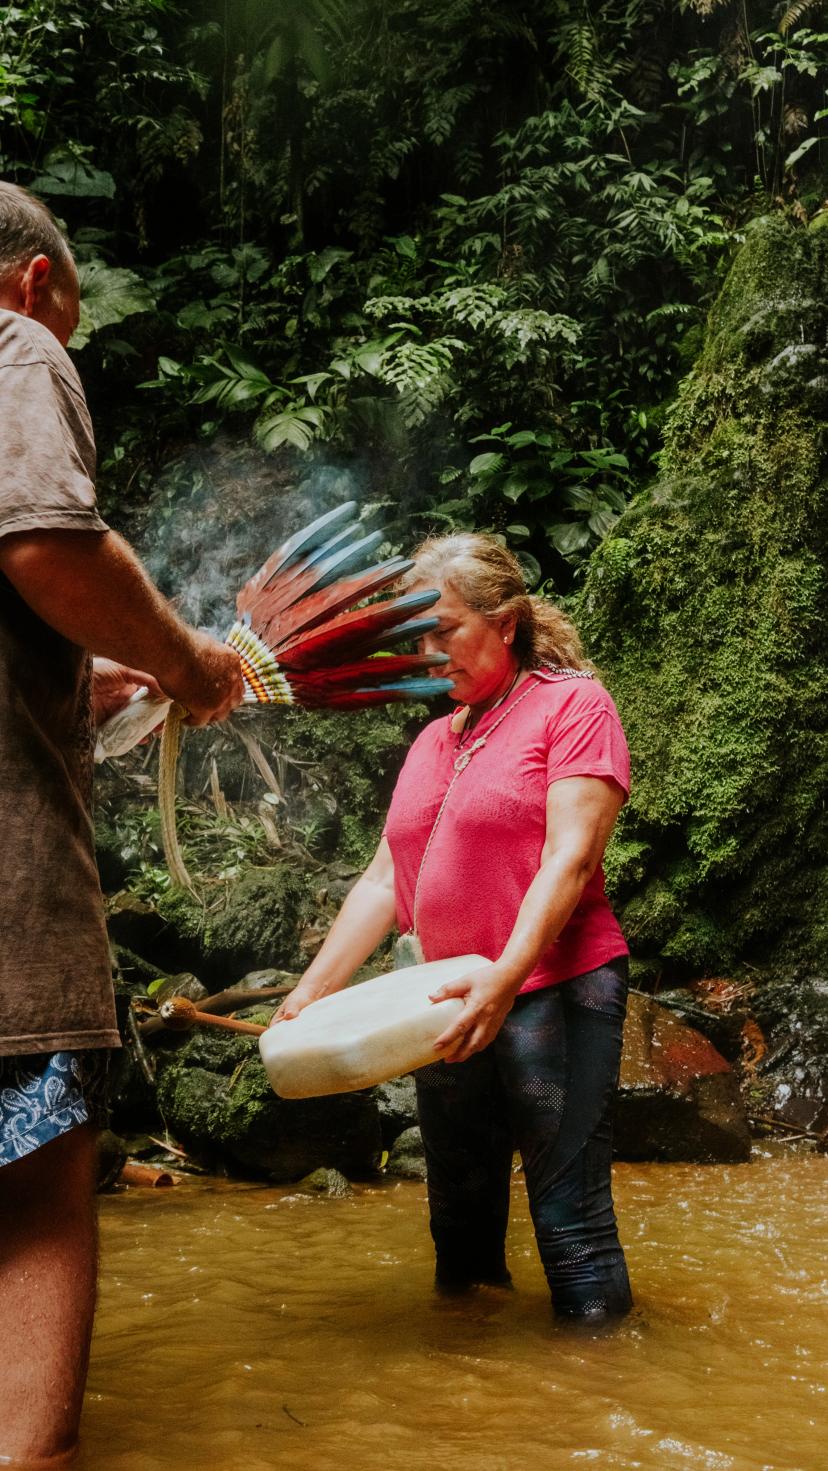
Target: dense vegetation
463,248
459,257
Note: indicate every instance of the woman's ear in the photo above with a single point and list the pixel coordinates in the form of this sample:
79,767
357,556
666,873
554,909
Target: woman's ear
507,627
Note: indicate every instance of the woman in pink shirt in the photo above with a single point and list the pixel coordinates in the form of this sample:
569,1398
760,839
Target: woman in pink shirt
493,846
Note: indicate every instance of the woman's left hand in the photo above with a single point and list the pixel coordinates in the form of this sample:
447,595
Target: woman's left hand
488,997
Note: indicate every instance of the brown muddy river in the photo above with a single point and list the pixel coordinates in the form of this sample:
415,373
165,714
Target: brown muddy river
244,1327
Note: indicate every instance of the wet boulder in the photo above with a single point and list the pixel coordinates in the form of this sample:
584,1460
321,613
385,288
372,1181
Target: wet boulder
112,1155
330,1183
791,1078
397,1103
215,1098
135,925
407,1157
678,1098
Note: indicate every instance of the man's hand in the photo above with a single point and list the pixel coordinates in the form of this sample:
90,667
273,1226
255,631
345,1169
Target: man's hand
113,686
209,684
488,998
90,586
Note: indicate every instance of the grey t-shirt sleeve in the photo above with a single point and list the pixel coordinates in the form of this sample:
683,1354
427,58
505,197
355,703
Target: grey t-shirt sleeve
47,452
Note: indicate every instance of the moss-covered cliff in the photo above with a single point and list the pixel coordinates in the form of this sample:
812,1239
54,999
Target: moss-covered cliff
706,610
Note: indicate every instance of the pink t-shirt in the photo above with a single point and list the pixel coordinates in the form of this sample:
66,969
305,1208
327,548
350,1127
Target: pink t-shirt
488,843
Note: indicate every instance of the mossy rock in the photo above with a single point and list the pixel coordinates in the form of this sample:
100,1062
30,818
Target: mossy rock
705,610
215,1097
330,1183
360,753
254,923
407,1157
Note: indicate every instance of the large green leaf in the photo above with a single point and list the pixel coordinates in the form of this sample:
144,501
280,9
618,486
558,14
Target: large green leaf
297,426
63,173
490,463
108,295
569,537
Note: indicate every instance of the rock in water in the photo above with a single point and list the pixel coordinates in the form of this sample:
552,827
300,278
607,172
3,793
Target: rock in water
327,1182
705,609
215,1098
791,1081
407,1158
397,1103
678,1098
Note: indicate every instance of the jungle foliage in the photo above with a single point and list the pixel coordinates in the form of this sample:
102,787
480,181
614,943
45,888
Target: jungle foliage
465,246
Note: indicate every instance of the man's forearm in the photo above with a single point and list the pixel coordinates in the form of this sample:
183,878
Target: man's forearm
91,588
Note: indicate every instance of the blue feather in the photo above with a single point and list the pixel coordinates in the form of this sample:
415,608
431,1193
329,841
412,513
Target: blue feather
312,536
425,688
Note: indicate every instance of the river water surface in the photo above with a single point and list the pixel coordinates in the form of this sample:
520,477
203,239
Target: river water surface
244,1327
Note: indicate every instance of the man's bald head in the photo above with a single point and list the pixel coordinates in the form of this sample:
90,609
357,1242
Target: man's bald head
38,278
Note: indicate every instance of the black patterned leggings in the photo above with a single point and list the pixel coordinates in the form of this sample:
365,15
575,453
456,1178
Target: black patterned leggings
545,1085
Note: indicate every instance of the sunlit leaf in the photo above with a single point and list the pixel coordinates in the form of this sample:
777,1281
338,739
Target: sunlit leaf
487,464
799,152
108,295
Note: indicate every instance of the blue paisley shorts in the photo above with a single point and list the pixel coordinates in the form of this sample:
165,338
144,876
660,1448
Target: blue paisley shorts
44,1095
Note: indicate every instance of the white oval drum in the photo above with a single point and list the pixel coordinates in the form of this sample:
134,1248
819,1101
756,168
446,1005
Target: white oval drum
366,1034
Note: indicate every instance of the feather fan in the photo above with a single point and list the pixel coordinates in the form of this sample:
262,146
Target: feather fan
305,634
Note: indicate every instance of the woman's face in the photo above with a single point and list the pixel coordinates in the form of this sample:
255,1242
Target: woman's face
480,650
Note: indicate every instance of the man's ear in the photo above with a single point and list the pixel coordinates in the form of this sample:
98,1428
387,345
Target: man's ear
35,283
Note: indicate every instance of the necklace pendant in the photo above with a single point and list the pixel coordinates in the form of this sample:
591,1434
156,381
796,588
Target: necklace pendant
458,720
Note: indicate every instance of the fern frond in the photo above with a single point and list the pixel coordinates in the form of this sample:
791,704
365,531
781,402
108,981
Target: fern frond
394,306
473,306
421,374
794,13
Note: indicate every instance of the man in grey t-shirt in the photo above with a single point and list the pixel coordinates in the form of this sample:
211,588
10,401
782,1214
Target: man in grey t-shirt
68,587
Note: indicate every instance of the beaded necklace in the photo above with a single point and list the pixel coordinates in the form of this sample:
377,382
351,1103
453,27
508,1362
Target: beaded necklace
460,723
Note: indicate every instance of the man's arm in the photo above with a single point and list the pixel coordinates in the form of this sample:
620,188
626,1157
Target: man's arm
90,587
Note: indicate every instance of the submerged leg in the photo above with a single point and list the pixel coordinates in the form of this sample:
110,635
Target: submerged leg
559,1054
48,1262
468,1150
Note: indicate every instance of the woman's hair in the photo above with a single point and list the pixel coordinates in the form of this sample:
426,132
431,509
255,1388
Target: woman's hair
487,576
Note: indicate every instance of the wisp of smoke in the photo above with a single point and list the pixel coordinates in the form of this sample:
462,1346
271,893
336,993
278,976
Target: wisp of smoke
208,534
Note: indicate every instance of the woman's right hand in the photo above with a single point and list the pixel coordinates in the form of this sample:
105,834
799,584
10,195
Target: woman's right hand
290,1008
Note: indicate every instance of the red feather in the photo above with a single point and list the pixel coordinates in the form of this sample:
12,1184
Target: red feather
299,610
343,637
277,624
378,670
